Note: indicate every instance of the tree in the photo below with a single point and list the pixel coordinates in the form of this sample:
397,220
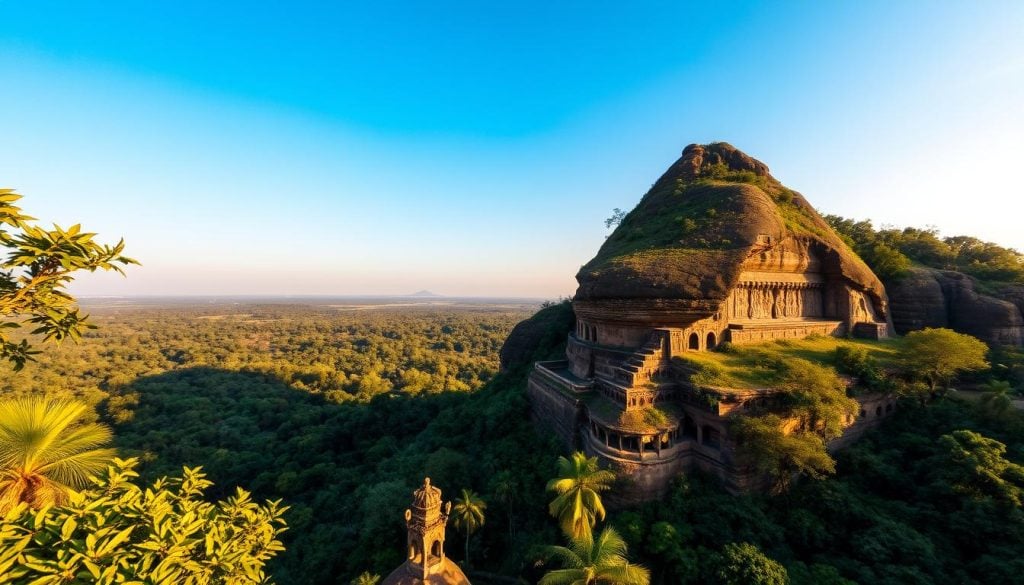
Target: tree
763,444
578,504
745,564
998,398
469,515
617,216
975,465
46,451
600,562
38,265
816,395
936,356
117,532
507,489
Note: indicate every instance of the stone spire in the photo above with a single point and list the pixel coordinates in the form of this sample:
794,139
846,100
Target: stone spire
425,522
426,563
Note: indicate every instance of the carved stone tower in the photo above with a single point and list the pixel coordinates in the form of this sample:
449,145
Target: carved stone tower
426,522
425,561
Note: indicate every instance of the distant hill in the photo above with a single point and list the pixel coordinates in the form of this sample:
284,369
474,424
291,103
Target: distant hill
425,293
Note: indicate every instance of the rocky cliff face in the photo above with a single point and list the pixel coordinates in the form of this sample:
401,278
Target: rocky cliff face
542,336
944,298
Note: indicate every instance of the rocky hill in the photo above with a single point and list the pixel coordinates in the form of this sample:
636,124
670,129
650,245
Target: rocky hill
685,243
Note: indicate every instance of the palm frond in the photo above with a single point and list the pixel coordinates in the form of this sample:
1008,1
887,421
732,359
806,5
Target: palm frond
44,452
624,574
564,577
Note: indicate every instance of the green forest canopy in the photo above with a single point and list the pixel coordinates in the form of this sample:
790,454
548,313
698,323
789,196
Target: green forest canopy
272,398
891,251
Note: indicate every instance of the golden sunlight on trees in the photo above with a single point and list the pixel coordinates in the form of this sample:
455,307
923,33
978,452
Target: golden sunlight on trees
578,504
469,515
117,532
591,562
936,356
46,451
38,265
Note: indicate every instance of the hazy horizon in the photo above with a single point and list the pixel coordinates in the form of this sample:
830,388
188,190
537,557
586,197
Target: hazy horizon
476,150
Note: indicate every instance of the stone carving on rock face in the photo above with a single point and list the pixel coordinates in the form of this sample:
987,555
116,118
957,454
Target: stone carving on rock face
797,306
741,303
764,303
778,310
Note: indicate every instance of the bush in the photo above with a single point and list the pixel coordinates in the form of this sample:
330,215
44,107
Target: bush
745,564
117,532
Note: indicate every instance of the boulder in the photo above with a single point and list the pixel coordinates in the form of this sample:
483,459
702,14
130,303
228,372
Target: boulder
927,297
916,301
538,337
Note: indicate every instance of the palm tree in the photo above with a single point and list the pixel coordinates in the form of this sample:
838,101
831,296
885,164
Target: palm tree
997,397
469,515
507,489
600,562
45,451
578,506
366,578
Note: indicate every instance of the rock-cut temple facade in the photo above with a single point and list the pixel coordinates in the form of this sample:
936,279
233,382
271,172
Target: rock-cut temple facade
753,275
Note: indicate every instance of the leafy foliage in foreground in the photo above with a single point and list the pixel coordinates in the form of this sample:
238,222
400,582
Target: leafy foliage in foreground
35,267
117,532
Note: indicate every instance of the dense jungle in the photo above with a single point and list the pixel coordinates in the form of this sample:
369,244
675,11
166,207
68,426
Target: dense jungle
340,411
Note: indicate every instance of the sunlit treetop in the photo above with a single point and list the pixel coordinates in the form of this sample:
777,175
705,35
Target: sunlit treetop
37,267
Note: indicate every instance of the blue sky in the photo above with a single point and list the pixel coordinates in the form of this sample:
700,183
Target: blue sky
475,148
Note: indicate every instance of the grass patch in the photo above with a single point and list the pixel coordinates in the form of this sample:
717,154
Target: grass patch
650,419
757,366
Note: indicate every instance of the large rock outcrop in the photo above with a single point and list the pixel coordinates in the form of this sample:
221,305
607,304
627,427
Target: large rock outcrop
537,338
715,210
926,297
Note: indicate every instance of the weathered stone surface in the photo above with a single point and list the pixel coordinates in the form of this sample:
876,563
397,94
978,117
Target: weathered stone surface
698,156
531,339
1013,293
916,301
690,236
990,319
426,562
944,298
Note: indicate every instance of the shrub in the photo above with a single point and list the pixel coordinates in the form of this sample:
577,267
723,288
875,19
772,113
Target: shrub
117,532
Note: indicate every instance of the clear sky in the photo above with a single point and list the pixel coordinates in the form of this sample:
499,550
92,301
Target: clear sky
475,148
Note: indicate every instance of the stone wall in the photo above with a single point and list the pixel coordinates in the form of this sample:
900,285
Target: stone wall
873,408
747,334
552,410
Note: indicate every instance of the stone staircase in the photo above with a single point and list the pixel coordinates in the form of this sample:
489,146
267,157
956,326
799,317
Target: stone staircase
640,367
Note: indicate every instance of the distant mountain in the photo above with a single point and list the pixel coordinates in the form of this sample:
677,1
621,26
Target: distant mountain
425,293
